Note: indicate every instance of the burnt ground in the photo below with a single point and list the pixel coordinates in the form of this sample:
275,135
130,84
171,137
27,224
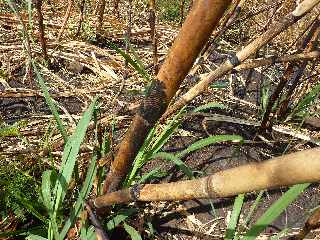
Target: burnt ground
73,85
195,219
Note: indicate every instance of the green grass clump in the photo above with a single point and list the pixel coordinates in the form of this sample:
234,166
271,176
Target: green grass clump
11,130
16,188
170,10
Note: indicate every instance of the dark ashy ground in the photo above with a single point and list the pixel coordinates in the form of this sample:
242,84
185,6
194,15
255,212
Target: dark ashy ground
73,84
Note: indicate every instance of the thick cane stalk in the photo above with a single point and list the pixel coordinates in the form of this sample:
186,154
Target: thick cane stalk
274,30
290,169
203,17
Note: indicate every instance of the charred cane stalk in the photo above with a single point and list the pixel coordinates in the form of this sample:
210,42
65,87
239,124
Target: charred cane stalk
289,73
295,168
311,42
202,19
267,117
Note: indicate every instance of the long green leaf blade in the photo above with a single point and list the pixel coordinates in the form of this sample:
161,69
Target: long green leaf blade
46,190
86,188
140,158
209,106
35,237
275,210
208,141
132,232
70,154
253,208
167,132
237,206
120,217
30,207
303,104
152,174
132,62
137,60
181,165
50,103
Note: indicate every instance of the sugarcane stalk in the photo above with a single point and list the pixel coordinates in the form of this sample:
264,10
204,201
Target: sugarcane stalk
100,12
65,20
154,39
202,19
41,30
286,170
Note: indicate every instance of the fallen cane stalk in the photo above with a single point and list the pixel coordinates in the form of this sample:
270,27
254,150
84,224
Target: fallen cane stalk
274,30
299,167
